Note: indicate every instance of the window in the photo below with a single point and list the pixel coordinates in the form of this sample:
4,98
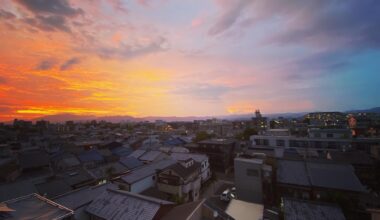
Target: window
153,177
280,143
252,172
329,135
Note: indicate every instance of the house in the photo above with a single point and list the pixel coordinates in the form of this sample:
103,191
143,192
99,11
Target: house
131,162
117,204
33,160
33,206
9,170
53,188
77,178
122,151
181,180
108,171
142,178
16,189
65,161
200,158
79,199
91,158
197,210
314,180
152,155
295,209
137,153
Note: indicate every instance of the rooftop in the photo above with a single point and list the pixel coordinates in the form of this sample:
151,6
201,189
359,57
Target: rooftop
300,210
146,170
318,174
34,206
116,204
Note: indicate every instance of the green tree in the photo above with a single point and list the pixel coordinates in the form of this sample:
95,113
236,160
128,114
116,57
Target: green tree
202,135
246,134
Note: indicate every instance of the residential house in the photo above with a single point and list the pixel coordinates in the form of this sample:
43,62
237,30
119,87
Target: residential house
181,180
200,158
143,177
315,180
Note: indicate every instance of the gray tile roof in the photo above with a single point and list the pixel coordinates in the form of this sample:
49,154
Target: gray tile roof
137,153
33,159
83,196
53,188
146,170
301,210
318,174
116,204
16,189
292,172
184,156
131,162
185,172
151,155
35,207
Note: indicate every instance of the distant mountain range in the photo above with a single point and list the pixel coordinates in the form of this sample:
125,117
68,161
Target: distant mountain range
115,119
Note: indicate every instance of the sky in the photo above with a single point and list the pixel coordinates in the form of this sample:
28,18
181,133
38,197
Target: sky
187,57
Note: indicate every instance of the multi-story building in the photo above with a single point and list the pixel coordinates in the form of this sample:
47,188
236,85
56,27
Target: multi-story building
219,151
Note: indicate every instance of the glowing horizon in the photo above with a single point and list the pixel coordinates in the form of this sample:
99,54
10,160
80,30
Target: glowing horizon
187,58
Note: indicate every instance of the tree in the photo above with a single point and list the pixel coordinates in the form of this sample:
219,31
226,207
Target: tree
202,135
246,134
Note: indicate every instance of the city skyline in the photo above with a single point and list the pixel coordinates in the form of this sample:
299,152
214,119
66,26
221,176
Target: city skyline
187,58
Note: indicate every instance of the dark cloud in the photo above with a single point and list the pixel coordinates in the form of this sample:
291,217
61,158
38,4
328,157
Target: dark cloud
55,7
6,15
69,63
348,24
130,51
48,23
338,24
46,64
317,65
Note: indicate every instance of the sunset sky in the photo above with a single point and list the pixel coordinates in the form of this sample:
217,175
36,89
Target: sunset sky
187,57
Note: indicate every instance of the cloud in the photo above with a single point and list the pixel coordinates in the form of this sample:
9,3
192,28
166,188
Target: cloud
317,65
349,24
231,12
46,64
202,91
69,63
48,23
128,51
55,7
6,15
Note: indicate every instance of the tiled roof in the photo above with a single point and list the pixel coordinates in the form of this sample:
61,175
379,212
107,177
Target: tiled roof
116,204
300,210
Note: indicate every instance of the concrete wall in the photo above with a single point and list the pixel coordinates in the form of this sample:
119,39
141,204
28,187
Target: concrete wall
248,185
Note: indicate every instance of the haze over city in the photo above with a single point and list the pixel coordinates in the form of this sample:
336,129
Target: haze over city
187,58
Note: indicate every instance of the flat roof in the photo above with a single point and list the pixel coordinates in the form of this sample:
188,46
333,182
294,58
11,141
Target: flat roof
245,210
